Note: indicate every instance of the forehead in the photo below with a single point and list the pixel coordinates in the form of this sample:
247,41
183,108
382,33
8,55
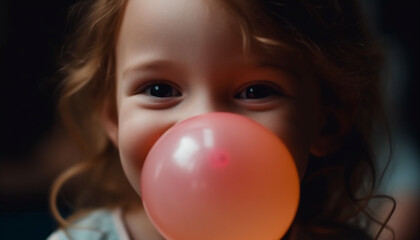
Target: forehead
187,28
195,21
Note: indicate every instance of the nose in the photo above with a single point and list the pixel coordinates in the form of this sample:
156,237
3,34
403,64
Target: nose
203,103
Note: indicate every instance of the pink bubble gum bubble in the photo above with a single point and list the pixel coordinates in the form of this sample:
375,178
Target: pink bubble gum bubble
220,176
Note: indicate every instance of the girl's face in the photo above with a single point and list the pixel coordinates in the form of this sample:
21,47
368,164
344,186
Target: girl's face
180,58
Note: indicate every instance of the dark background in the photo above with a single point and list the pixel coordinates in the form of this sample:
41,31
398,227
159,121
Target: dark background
31,36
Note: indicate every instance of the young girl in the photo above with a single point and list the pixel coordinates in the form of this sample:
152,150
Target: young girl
307,70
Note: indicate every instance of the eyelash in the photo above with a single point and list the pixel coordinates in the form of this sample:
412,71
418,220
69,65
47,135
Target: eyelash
253,91
264,89
152,89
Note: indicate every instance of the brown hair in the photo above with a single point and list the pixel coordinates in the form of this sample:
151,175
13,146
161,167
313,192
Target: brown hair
330,35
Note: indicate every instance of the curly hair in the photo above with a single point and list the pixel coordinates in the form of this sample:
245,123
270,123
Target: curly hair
329,35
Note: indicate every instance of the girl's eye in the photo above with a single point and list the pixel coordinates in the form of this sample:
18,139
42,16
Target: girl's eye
257,91
161,90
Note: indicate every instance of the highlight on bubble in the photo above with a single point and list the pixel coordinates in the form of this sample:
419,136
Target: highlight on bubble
220,176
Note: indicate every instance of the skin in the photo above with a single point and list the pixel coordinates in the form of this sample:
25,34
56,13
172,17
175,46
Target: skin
192,51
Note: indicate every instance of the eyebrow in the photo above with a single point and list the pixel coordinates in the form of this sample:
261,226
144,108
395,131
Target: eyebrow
268,64
164,64
291,67
150,65
282,62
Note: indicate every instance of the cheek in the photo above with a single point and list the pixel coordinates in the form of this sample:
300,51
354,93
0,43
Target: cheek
291,125
297,141
137,134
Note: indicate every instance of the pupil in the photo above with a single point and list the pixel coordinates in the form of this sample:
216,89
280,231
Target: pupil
161,90
258,92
